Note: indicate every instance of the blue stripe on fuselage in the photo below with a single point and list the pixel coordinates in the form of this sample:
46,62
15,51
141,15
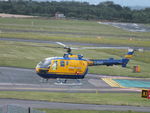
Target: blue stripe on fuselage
49,76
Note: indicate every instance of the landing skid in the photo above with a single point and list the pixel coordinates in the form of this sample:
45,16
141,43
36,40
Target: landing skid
44,80
67,82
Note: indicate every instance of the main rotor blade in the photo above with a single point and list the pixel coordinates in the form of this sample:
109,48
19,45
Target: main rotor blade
80,48
65,46
61,44
104,48
91,47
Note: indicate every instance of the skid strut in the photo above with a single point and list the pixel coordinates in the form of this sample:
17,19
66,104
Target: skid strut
43,80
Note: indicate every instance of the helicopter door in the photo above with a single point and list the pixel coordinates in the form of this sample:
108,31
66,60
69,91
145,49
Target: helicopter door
63,67
58,66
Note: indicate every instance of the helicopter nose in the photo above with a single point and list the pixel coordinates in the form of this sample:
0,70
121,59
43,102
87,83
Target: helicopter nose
41,71
37,69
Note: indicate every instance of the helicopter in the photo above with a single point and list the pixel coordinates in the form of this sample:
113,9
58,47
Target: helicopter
75,66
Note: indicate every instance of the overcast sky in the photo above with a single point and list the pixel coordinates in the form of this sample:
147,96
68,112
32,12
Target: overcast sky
121,2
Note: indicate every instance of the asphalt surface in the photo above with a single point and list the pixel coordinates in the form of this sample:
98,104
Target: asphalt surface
133,27
70,106
18,79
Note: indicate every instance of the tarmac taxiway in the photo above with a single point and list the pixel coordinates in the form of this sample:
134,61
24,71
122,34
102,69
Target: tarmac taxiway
19,79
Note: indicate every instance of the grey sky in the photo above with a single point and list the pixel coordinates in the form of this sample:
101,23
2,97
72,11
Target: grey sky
121,2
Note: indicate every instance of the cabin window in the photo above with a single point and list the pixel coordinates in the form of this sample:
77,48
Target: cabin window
62,63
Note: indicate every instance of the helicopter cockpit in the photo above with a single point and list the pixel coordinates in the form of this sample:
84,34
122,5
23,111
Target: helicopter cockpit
44,64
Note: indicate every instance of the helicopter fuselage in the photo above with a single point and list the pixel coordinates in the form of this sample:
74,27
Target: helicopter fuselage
68,67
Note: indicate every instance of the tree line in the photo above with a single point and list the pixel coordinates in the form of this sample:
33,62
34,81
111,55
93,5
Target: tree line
77,10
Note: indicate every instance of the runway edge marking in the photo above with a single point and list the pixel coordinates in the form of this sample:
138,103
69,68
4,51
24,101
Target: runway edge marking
111,82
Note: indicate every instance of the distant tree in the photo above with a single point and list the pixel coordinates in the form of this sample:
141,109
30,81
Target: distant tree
81,10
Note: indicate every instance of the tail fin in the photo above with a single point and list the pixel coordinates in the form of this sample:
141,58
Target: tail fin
127,57
129,54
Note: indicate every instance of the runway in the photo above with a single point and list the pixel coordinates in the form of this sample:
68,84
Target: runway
19,79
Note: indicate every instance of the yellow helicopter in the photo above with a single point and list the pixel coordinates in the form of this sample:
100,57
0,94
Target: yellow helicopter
72,66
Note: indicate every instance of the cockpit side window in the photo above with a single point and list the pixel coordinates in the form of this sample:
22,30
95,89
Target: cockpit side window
54,66
44,64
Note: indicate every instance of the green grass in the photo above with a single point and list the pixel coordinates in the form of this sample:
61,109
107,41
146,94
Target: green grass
87,31
65,25
84,111
133,99
27,55
85,39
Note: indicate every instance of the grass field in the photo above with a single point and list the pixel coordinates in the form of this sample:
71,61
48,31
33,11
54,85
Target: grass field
133,99
27,55
83,111
78,26
71,30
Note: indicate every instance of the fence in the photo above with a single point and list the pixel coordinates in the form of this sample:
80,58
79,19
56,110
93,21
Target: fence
17,109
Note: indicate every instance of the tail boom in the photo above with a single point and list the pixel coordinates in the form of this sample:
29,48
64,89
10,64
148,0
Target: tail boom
111,61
